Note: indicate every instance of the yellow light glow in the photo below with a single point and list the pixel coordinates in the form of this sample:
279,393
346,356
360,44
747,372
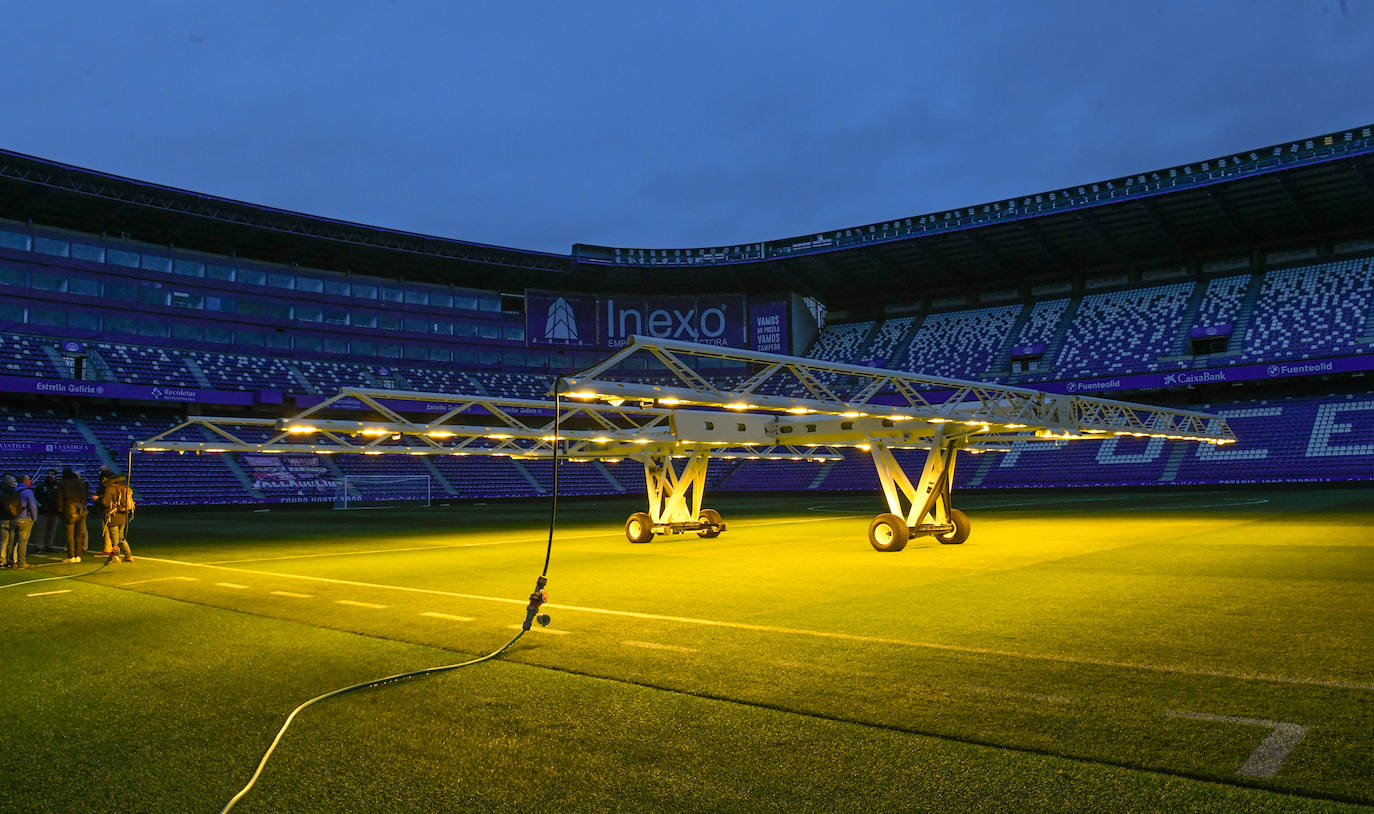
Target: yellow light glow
851,414
864,447
374,431
1015,426
301,429
798,410
938,420
582,394
324,451
612,460
552,438
642,441
372,452
739,405
217,449
154,449
417,452
669,401
795,458
500,436
601,439
440,434
901,418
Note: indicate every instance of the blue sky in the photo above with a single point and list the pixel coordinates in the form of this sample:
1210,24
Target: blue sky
538,125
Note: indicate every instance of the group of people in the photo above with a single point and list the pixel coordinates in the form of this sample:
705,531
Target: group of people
29,515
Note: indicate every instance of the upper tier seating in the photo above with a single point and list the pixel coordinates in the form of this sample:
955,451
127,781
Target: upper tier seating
514,385
1221,303
137,364
840,343
1123,331
884,343
22,355
1043,322
232,372
328,377
440,380
1310,311
960,344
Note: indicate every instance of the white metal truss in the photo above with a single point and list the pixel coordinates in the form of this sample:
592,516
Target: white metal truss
739,404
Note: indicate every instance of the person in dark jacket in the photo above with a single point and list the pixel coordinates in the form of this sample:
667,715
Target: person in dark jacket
73,497
45,530
116,501
18,510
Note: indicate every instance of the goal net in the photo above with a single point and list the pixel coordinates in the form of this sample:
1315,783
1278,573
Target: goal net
382,491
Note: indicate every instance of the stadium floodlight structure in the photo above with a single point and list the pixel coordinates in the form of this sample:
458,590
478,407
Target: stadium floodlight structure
658,401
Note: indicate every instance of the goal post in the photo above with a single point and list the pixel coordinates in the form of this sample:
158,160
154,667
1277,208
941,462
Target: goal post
382,491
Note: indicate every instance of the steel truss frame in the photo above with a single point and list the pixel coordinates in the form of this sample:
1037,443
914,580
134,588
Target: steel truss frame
696,414
878,410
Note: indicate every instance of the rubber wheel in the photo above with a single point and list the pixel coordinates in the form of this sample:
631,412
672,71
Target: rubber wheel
962,527
709,516
639,528
888,532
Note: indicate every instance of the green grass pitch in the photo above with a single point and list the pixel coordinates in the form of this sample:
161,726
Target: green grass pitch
1083,651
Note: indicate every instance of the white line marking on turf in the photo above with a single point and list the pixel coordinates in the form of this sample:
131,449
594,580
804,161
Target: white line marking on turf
1034,696
446,616
159,579
234,585
1273,750
819,634
448,547
538,629
356,604
656,646
51,593
290,594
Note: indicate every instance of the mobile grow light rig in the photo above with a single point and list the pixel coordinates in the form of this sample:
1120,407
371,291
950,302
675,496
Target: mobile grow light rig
658,401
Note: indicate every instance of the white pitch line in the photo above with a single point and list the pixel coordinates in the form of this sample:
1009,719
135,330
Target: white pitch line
447,616
158,579
51,593
656,646
233,585
290,594
538,629
1034,696
1269,756
356,604
449,547
819,634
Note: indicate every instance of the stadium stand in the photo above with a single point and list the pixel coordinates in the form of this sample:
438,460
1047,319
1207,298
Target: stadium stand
23,356
960,344
840,343
1123,331
1310,311
886,341
1221,304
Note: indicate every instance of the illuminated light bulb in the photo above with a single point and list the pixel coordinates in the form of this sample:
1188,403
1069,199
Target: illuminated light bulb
670,401
417,452
739,405
372,452
154,449
549,438
500,436
901,418
439,434
300,429
581,394
642,441
938,420
612,460
601,439
217,449
324,452
795,458
851,414
374,431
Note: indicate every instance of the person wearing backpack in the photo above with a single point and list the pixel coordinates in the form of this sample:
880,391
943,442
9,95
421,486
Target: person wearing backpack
18,509
117,502
73,495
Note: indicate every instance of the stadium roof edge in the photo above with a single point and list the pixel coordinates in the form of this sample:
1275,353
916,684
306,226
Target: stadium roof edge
1308,150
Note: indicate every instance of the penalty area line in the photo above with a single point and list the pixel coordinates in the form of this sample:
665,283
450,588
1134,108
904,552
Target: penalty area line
818,634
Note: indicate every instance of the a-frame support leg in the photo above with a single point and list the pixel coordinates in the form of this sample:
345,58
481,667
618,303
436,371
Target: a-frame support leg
925,504
675,497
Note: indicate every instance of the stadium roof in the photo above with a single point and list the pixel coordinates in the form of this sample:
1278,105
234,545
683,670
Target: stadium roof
1292,194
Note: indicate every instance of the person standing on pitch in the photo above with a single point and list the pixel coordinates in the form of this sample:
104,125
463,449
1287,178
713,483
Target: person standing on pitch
17,512
45,530
117,506
72,497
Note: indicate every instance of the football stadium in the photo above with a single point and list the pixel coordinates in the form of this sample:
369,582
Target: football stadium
1054,502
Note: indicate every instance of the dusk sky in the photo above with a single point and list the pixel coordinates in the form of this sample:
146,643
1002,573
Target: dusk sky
537,125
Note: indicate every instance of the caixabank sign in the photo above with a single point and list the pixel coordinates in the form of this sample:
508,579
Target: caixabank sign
553,319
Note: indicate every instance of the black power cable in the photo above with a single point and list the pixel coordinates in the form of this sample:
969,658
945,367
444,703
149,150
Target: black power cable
531,614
